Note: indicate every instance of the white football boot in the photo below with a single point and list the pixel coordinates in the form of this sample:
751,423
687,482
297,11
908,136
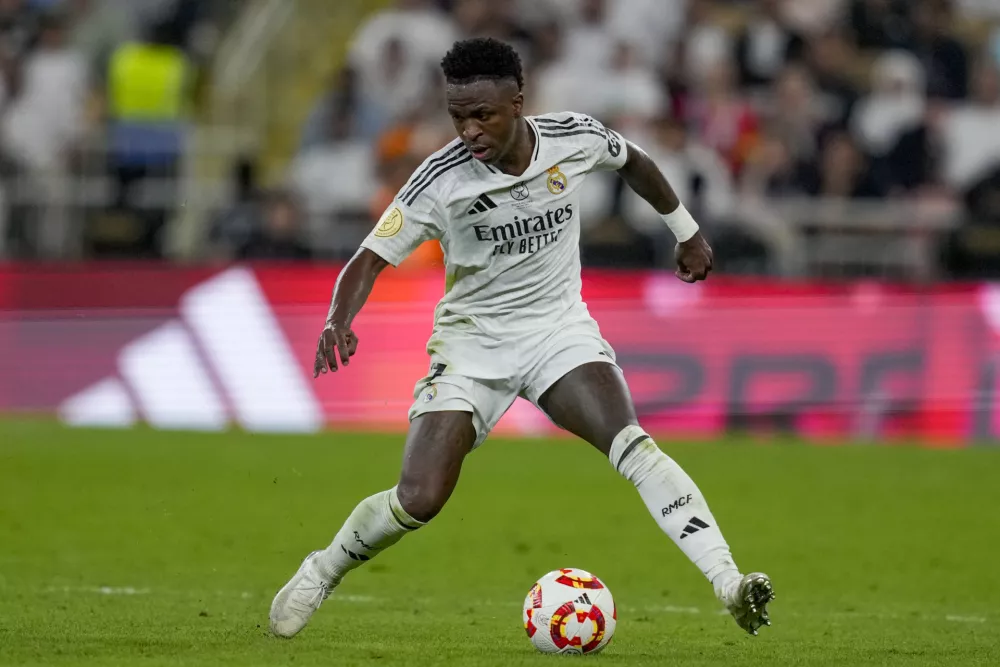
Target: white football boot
295,604
746,598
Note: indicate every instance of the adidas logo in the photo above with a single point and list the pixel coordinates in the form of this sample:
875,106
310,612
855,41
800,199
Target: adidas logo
224,360
482,205
354,556
694,525
584,599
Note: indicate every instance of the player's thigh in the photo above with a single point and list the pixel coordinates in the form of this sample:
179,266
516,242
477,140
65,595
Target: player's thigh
593,402
451,415
436,445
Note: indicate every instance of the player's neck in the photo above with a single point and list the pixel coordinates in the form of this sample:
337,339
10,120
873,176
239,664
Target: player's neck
518,159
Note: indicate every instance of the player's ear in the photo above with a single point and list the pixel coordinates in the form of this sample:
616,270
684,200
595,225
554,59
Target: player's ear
518,104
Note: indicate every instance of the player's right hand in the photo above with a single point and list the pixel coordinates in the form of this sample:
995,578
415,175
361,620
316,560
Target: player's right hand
335,341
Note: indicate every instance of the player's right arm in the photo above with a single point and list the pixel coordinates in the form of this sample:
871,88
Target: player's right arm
405,225
354,284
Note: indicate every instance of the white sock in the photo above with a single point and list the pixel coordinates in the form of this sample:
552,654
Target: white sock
676,503
376,523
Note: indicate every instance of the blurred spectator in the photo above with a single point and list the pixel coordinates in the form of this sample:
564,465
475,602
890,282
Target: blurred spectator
613,242
279,235
797,113
971,134
494,18
766,45
980,9
587,44
148,97
629,94
46,117
973,251
233,228
622,89
809,17
944,59
334,180
895,105
829,56
706,45
880,24
395,56
338,102
99,26
720,117
555,84
697,174
652,30
44,122
983,201
773,171
17,27
842,172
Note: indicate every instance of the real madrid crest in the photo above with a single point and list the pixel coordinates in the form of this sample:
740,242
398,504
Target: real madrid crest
430,393
557,181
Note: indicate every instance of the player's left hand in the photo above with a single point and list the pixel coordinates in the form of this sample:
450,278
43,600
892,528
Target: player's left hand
694,259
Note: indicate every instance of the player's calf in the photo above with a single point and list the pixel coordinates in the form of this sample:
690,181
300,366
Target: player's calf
682,512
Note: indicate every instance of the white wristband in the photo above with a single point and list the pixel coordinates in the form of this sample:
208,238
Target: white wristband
681,224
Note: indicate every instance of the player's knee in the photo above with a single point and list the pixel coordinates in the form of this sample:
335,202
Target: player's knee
422,500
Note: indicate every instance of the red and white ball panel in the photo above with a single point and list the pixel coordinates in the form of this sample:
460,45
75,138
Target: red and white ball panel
570,611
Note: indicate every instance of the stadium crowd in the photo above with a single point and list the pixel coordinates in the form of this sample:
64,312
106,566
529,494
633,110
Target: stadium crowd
748,106
738,102
76,79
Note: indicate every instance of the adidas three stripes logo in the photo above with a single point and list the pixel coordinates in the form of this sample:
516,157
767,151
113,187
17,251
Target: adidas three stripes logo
694,525
482,205
583,599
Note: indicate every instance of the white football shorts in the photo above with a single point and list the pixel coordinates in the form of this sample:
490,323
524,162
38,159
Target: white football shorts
470,373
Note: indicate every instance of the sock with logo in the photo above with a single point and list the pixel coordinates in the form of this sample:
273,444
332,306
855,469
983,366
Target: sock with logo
675,503
376,524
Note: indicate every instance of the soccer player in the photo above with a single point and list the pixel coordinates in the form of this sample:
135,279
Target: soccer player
504,201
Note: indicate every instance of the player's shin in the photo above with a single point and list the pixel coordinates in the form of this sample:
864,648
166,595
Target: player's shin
376,524
676,504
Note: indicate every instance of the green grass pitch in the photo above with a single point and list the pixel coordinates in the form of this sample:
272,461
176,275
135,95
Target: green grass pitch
145,548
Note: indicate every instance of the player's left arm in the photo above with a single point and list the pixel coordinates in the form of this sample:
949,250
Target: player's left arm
693,254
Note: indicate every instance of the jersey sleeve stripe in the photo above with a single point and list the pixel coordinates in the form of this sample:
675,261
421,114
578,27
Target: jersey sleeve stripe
419,177
549,121
561,128
574,133
459,160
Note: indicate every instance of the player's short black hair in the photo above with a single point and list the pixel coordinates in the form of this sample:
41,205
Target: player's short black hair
482,58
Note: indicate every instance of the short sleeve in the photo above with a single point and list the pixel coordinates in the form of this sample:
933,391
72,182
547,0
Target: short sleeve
606,149
402,228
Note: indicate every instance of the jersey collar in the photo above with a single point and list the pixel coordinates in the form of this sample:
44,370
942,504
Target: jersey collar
534,156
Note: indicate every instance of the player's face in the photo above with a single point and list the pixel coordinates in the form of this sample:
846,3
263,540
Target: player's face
485,115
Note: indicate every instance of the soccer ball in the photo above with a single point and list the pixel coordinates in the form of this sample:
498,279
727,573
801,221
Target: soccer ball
570,611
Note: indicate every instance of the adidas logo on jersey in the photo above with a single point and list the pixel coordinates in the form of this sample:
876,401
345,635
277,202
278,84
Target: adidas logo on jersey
482,205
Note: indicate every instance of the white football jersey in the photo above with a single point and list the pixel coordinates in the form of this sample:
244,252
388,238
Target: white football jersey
511,243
